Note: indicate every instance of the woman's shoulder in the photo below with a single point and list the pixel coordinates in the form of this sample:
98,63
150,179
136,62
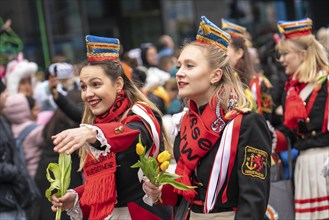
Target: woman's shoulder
253,119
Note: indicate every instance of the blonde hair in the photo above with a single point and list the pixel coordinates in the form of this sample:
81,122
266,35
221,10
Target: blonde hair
229,85
315,59
114,70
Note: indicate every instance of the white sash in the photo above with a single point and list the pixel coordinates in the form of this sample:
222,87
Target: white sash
306,91
139,110
220,168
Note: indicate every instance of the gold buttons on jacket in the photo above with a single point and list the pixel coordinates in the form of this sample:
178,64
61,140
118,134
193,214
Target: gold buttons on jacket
313,133
308,120
118,129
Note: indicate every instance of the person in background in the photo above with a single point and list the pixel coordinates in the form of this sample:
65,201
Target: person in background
19,111
155,78
116,115
19,76
256,84
176,104
323,37
305,107
61,80
10,178
166,46
221,146
168,64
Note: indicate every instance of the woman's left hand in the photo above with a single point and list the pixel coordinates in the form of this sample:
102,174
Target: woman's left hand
72,139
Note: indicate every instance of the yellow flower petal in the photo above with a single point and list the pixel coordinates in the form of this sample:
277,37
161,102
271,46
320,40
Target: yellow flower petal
164,166
163,156
139,149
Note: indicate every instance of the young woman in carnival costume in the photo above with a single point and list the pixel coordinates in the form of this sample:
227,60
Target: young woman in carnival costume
305,123
220,147
257,85
116,114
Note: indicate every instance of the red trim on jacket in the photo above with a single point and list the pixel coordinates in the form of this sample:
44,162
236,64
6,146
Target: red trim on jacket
282,143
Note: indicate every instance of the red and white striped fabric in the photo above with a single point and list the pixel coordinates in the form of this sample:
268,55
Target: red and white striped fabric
311,188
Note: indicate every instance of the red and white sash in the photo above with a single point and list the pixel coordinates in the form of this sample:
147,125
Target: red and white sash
224,161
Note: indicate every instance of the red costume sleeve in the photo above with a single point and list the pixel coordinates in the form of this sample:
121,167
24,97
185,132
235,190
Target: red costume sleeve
282,143
118,135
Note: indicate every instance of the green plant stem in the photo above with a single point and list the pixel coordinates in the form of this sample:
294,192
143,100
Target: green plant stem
58,213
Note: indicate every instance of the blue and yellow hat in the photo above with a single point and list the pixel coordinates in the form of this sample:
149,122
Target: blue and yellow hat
233,29
291,29
102,48
209,33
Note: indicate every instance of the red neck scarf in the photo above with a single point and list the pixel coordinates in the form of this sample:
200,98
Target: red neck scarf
119,107
99,189
199,133
295,109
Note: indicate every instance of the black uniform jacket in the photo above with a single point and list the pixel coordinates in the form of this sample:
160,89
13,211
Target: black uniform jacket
249,184
309,133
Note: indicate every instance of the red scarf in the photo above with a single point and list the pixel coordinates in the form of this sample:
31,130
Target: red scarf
99,189
197,139
119,107
295,109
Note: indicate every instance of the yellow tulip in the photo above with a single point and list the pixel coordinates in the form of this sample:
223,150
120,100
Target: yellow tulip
164,166
139,149
163,156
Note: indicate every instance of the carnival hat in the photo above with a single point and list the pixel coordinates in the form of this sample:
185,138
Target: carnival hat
233,29
209,33
102,48
291,29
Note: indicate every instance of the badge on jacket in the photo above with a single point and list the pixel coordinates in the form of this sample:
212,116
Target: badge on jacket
255,162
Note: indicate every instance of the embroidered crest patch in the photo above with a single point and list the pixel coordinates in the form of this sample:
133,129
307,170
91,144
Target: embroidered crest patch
254,163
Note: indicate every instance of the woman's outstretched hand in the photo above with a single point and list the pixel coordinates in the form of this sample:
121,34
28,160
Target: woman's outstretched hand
72,139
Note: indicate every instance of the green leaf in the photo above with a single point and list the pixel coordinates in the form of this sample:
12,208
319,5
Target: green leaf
53,167
65,165
165,176
179,185
61,180
136,165
54,183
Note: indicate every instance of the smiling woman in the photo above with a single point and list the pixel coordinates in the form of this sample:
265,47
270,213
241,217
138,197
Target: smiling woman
220,146
116,114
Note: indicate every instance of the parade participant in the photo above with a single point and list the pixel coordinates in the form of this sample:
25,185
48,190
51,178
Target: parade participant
257,85
19,76
221,147
305,123
116,114
9,164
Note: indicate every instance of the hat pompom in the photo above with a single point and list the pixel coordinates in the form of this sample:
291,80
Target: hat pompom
204,27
